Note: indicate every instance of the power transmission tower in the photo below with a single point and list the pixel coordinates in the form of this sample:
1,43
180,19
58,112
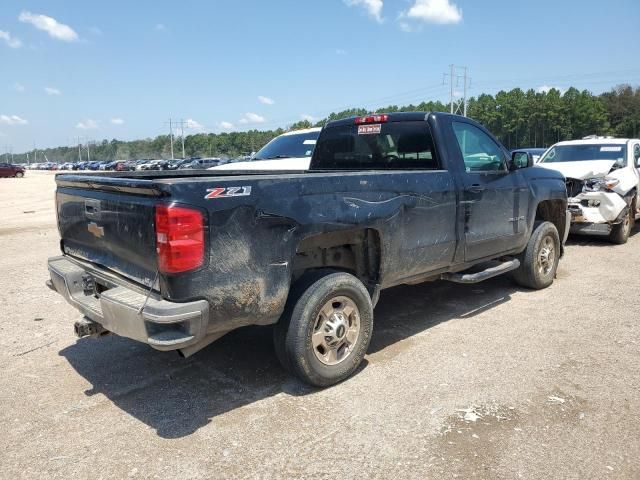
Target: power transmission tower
458,104
177,124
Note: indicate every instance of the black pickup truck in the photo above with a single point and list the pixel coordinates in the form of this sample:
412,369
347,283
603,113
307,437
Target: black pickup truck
178,259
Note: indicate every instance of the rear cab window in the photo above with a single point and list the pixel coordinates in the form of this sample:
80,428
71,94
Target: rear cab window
404,145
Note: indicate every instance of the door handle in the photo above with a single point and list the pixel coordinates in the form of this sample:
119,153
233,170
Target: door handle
475,188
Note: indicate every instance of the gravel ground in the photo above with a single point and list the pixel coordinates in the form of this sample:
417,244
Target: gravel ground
484,381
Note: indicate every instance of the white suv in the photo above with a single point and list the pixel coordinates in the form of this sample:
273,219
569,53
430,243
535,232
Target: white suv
602,183
289,151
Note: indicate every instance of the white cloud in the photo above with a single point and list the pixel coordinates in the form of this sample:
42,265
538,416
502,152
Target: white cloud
87,124
226,125
191,124
18,87
405,27
55,29
52,91
548,88
251,118
11,42
265,100
95,31
434,11
160,27
340,51
373,7
117,121
12,120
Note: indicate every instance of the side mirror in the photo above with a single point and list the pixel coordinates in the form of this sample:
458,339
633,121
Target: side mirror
521,160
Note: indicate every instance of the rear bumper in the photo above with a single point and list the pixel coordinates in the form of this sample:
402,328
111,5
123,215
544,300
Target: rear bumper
127,312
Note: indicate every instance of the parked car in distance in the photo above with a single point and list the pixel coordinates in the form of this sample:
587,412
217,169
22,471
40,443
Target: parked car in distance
206,163
11,170
178,260
536,153
602,183
289,151
178,164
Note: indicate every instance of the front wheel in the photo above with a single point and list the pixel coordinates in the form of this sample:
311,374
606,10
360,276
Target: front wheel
325,330
621,231
539,261
19,175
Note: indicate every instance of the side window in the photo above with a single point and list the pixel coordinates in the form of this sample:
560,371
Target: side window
479,151
636,155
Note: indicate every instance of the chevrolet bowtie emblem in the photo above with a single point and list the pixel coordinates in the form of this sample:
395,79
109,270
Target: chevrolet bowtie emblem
96,230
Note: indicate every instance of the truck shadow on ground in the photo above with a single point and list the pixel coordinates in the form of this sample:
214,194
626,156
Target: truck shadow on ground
176,397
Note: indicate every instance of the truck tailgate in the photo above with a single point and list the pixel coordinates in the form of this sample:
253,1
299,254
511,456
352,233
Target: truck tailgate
110,222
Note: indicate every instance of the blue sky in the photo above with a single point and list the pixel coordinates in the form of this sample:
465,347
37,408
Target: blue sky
120,69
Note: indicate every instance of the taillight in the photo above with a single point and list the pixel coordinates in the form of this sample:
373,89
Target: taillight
372,119
179,238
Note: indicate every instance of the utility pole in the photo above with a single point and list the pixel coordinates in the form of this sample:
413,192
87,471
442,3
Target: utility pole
452,70
457,105
171,137
88,152
182,135
79,150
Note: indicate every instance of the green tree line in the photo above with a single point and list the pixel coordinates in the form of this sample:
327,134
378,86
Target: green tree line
517,118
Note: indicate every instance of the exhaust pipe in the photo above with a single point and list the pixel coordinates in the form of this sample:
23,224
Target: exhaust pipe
88,328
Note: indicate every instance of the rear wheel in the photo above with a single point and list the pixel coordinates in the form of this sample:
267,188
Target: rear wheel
539,261
325,330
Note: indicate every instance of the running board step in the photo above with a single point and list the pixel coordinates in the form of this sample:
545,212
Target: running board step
493,270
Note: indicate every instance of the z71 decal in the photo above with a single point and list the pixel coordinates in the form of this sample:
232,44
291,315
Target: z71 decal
222,192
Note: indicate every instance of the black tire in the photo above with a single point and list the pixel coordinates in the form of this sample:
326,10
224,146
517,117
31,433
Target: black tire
534,272
620,232
293,333
19,175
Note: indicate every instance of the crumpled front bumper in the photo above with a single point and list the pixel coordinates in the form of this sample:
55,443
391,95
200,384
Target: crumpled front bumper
125,311
596,212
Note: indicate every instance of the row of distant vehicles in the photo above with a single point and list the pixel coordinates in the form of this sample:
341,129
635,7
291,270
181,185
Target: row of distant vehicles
133,165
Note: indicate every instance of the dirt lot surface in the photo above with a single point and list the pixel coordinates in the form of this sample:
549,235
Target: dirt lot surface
485,381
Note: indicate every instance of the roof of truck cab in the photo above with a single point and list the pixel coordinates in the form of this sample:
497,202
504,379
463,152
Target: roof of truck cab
395,117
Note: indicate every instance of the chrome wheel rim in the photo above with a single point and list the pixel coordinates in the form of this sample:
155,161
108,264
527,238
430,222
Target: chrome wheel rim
547,256
336,330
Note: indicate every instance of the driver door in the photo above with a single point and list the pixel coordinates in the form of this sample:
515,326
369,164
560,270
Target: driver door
494,216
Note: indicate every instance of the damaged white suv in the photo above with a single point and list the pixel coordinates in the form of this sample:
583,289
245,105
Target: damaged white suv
602,183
